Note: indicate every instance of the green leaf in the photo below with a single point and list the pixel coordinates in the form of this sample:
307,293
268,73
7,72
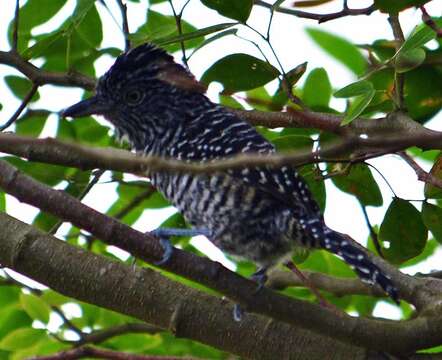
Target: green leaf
35,307
191,35
431,191
32,14
359,182
404,230
21,339
215,37
432,217
418,38
159,26
423,93
341,49
31,123
234,9
317,89
12,319
408,60
239,72
354,89
20,87
394,6
357,107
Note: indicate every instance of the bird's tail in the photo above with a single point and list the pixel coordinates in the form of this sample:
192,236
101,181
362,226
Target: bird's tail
359,261
357,258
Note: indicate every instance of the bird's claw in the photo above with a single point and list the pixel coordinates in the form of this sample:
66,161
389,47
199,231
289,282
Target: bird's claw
168,251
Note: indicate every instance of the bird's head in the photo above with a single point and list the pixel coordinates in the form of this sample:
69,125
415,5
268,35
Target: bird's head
140,92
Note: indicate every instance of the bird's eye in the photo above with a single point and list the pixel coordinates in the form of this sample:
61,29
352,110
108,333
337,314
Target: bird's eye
134,97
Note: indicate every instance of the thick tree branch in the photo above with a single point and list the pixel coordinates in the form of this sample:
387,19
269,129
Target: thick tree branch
396,337
151,297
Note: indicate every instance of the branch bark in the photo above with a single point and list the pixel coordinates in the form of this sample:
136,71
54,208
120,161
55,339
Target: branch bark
146,295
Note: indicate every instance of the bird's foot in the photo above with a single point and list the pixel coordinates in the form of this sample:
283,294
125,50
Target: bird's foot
164,234
260,277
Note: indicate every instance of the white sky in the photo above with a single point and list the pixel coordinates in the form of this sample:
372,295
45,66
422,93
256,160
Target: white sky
293,47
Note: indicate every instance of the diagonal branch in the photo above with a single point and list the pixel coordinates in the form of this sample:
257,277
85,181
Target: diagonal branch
22,106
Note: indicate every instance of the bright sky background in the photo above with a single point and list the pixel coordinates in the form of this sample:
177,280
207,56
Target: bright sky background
293,47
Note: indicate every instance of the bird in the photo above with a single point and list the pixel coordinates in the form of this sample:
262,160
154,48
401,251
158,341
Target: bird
260,214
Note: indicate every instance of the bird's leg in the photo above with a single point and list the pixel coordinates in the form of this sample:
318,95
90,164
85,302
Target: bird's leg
260,277
322,301
164,234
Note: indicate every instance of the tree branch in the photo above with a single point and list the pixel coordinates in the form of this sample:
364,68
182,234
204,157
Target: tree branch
146,295
126,33
396,337
422,175
321,18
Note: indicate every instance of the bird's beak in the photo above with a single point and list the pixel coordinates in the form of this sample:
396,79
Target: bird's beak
86,107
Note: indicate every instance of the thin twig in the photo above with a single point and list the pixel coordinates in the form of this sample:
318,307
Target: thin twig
179,29
88,352
126,33
422,175
69,324
85,191
15,30
373,234
399,37
427,19
321,18
22,106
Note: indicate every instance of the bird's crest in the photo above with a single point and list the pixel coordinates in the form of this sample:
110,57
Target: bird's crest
150,61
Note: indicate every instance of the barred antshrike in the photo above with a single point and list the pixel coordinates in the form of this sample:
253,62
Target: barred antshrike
259,214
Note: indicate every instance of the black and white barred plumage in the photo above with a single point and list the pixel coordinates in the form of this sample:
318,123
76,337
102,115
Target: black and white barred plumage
259,214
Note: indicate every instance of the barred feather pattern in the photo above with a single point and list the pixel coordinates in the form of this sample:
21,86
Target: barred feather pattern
260,214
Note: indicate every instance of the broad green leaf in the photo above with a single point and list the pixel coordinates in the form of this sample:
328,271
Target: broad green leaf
40,47
135,342
354,89
404,230
35,307
357,107
234,9
32,15
408,60
359,182
431,191
31,123
22,338
239,72
259,98
20,87
9,294
432,217
49,174
423,93
394,6
317,89
192,35
159,26
341,49
213,38
12,318
417,39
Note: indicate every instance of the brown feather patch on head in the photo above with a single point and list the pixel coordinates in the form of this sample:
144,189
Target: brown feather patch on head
177,76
